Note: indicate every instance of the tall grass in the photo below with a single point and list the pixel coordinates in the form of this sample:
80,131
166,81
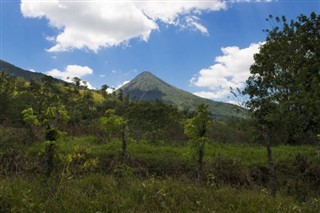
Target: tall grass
98,193
226,166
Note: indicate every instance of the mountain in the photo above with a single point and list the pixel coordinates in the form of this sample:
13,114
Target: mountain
12,70
148,87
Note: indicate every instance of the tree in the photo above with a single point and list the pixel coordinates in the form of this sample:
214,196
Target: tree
103,90
196,129
284,86
115,126
32,122
7,88
76,81
56,115
29,117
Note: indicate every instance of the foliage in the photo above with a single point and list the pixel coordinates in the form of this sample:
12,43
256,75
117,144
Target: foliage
154,121
29,117
57,114
284,83
196,128
111,123
52,134
78,162
7,88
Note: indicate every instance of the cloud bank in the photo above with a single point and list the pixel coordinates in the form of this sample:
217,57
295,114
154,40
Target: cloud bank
93,24
72,71
229,70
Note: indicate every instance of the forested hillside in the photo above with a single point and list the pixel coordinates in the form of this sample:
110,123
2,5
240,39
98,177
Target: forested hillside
14,71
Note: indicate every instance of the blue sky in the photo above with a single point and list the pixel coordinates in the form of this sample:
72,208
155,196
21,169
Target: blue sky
203,47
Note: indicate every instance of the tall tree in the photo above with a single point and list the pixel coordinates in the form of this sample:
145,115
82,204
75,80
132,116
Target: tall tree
284,86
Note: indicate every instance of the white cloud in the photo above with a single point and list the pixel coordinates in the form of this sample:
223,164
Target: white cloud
72,71
50,38
230,70
87,84
112,88
95,24
193,23
122,84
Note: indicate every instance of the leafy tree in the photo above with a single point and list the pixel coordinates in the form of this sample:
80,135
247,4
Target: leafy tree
115,126
284,86
56,115
111,123
196,129
103,90
7,88
29,117
53,118
76,81
32,122
104,87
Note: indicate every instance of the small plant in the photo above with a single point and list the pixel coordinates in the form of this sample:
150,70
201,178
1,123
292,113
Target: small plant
78,162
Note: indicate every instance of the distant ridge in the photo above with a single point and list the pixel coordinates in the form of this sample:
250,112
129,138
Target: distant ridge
12,70
148,87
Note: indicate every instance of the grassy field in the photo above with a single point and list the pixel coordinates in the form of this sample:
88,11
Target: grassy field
249,155
158,178
98,193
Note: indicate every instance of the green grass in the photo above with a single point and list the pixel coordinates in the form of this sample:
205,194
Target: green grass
162,179
98,193
249,155
256,155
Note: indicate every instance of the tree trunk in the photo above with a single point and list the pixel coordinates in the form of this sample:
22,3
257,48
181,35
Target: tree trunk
124,143
48,159
271,166
200,163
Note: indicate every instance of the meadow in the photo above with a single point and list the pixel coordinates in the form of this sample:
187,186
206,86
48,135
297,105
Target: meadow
157,177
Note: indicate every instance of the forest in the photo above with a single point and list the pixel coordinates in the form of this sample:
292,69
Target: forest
65,148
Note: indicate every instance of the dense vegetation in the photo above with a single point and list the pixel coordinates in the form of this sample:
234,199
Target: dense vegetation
64,147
